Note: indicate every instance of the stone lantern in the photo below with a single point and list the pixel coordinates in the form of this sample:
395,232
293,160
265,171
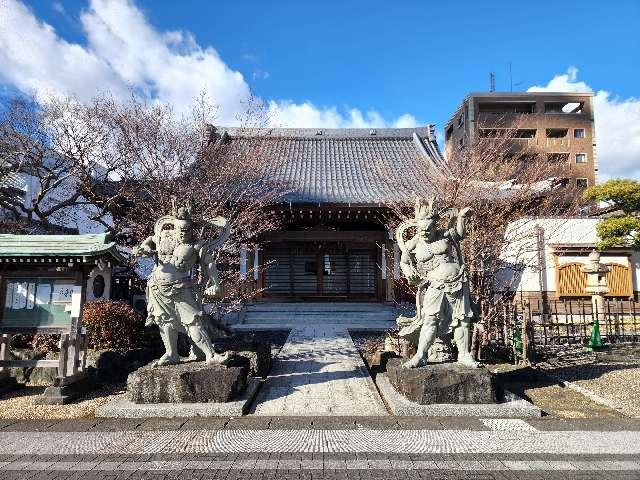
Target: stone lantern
597,288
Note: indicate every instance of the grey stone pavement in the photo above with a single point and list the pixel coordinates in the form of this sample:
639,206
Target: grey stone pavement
320,447
319,372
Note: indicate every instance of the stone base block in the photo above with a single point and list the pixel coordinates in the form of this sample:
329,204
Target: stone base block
510,406
442,383
192,382
124,408
257,354
7,383
65,390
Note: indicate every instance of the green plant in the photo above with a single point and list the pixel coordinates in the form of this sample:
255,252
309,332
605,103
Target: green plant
112,325
45,343
622,228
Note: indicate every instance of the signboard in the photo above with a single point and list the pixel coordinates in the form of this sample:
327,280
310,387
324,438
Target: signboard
40,302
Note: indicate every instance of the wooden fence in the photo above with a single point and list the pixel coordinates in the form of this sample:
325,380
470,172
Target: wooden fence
530,330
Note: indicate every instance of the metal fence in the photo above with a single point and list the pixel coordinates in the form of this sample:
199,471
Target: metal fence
531,329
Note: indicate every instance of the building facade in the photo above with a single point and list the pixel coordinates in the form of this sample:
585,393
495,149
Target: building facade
543,260
334,244
558,125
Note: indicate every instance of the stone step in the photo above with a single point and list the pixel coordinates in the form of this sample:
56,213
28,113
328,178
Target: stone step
358,315
323,314
316,322
314,307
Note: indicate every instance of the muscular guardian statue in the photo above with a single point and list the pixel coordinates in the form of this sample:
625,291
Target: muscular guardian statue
174,302
432,261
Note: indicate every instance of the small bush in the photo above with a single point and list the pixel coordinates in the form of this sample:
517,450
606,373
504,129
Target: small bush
112,325
45,343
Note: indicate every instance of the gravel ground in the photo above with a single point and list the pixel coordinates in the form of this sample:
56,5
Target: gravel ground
552,397
19,404
613,374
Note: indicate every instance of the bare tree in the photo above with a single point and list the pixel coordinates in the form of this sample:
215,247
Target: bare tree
503,177
58,150
157,157
122,163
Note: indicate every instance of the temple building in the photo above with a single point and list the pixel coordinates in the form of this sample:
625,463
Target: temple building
333,244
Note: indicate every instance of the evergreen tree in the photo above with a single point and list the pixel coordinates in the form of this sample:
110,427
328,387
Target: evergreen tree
622,229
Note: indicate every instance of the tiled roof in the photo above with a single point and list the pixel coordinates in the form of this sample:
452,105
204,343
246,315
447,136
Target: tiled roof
341,166
90,245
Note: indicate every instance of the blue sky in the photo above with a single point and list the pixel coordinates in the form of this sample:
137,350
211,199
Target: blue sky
336,63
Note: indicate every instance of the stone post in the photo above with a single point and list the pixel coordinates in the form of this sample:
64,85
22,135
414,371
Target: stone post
597,288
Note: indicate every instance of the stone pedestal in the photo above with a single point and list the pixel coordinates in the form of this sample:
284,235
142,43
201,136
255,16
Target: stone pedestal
447,383
65,390
192,382
7,382
257,354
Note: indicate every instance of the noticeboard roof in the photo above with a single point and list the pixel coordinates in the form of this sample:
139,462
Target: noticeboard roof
89,245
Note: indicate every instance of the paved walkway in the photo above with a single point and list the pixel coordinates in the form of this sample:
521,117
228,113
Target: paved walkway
381,447
319,372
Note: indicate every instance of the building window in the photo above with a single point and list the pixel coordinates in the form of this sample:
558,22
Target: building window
504,108
449,132
98,286
461,142
460,120
581,158
556,132
582,182
578,133
563,107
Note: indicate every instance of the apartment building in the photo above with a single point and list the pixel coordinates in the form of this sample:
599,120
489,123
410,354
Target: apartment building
559,125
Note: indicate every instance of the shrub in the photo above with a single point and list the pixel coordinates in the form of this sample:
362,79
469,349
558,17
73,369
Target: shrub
112,325
45,343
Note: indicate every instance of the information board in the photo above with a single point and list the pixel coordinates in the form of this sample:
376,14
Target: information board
40,302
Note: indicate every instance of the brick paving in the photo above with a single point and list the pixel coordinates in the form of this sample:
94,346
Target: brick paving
319,372
355,448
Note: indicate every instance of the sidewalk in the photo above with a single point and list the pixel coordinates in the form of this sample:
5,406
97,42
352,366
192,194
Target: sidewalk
305,447
319,372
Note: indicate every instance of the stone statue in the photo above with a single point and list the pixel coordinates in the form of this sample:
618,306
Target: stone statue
432,260
174,301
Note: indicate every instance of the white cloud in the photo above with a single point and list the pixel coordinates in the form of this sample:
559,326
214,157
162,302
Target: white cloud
617,123
290,114
123,51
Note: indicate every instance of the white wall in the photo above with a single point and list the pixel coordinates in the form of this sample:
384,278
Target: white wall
521,249
78,216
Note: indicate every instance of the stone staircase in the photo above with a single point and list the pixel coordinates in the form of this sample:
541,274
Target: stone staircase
273,315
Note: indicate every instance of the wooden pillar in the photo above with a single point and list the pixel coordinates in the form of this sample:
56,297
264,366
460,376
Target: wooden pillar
4,349
249,282
244,284
258,270
320,271
390,294
380,294
74,340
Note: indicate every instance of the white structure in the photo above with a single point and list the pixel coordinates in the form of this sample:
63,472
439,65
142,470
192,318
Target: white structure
545,255
75,217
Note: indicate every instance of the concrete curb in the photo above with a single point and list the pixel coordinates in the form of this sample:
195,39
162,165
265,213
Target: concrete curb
124,408
514,406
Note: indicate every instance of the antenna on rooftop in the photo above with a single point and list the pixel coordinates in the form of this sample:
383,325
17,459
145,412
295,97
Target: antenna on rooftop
492,82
